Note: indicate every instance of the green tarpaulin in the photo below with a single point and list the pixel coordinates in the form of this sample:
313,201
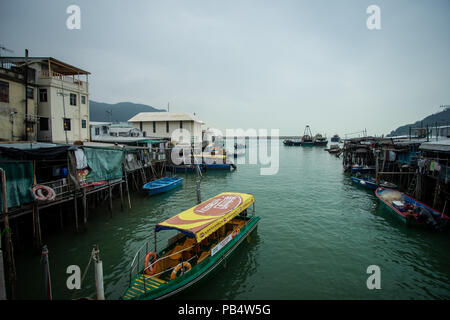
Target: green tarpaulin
19,182
105,164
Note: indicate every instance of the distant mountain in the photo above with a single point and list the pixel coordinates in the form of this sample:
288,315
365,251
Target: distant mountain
121,112
441,118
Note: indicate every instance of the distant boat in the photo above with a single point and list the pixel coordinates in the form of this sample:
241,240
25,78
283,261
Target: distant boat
370,183
307,140
411,211
335,138
320,140
162,185
364,169
295,142
334,148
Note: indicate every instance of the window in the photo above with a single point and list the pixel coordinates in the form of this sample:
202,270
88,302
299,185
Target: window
97,131
66,124
43,95
83,99
105,129
83,124
154,126
73,99
43,124
30,93
181,124
4,91
167,126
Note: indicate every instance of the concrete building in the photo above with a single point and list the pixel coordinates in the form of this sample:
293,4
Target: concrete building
162,125
62,98
18,106
115,132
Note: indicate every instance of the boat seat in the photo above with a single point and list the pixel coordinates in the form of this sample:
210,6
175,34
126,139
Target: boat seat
178,255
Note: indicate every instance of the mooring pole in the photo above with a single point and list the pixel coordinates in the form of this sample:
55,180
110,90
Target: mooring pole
9,248
98,267
47,279
2,274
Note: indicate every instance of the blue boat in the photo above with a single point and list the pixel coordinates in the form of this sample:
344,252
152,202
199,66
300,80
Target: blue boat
162,185
370,183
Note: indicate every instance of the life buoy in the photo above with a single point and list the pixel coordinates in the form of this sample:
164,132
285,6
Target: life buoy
38,194
150,269
178,267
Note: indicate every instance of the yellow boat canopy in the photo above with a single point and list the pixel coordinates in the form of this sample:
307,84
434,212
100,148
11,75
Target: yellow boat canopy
207,217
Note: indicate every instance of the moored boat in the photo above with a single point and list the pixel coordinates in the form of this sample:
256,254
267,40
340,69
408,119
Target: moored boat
307,140
162,185
371,183
320,140
335,138
207,234
292,142
411,211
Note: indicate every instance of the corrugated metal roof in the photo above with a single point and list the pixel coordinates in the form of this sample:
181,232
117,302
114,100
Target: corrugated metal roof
164,116
440,145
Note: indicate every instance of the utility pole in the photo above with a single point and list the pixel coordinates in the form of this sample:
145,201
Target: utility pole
26,94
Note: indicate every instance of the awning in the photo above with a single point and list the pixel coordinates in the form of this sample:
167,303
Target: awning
207,217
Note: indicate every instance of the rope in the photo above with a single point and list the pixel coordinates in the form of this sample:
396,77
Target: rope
85,272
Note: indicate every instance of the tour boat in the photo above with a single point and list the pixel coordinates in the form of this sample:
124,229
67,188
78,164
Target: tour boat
207,235
162,185
295,142
371,183
411,211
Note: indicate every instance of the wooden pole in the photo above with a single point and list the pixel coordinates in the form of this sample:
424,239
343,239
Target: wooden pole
10,265
121,196
75,208
84,207
110,198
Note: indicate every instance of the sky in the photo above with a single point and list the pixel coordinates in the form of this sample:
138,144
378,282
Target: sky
252,63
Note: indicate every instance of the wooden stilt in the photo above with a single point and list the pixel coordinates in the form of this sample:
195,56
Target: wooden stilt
110,199
84,207
121,196
75,209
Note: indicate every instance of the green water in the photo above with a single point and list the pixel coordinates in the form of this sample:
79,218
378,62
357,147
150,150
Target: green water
317,236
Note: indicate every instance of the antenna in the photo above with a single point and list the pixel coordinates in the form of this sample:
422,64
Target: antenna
4,49
110,115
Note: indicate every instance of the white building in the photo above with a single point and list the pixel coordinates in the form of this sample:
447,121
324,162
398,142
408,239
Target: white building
117,132
62,99
163,124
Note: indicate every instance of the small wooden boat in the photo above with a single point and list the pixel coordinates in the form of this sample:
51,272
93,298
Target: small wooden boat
411,211
363,169
207,234
371,183
162,185
334,148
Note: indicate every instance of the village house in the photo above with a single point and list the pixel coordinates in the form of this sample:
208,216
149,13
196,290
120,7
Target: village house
162,125
61,99
18,106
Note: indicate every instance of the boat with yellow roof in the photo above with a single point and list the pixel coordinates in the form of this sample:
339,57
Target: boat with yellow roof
207,234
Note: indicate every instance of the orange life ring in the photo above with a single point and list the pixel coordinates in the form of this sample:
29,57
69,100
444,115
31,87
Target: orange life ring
150,270
178,267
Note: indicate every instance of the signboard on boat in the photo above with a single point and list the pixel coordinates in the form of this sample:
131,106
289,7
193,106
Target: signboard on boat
224,242
219,205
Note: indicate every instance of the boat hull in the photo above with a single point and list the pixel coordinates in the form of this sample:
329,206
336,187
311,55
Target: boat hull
370,184
410,220
199,272
164,187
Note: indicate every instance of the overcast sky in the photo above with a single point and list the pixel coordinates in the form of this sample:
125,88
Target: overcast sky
252,63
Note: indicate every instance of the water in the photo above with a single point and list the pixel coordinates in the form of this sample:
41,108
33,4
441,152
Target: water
317,236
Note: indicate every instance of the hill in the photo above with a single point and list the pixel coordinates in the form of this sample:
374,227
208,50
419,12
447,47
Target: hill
441,118
121,112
